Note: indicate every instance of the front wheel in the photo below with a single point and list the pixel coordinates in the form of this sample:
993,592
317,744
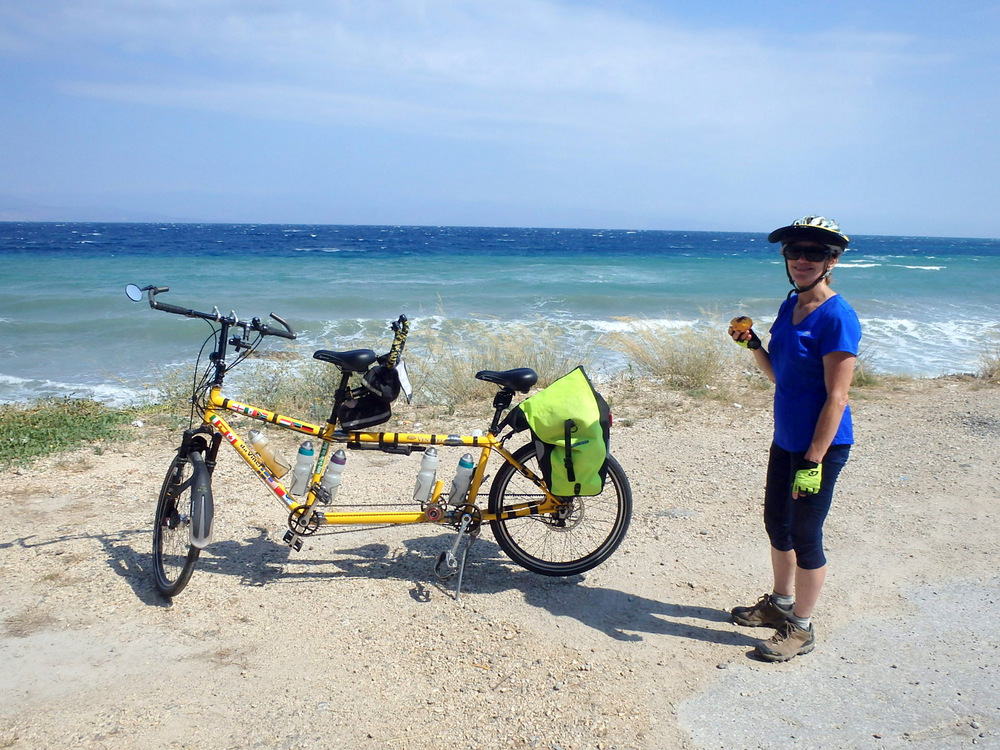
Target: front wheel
579,536
174,556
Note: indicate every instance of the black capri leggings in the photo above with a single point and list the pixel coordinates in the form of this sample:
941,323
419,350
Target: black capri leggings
798,524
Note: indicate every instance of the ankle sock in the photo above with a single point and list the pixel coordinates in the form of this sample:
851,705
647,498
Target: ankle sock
802,622
783,600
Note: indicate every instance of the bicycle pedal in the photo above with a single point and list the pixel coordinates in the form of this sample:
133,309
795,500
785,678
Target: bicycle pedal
445,567
293,541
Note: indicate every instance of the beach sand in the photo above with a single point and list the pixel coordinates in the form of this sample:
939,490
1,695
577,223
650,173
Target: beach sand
354,643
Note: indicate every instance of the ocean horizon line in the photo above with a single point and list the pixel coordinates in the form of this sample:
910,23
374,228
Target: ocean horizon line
499,227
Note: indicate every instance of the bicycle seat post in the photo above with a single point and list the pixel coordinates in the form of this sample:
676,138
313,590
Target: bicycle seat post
501,401
342,394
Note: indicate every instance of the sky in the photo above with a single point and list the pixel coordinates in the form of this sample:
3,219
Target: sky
720,116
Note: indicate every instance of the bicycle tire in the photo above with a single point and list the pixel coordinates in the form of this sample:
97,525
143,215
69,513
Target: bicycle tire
571,542
174,556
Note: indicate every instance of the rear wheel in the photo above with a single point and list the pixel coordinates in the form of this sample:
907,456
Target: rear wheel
579,536
174,556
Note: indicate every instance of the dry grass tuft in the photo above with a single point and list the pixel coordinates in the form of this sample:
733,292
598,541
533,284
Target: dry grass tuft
693,360
989,364
443,368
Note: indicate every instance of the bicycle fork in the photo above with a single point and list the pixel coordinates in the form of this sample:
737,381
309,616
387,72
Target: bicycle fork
202,503
201,453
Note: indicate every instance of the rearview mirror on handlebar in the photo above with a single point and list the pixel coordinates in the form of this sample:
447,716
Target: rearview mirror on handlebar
134,292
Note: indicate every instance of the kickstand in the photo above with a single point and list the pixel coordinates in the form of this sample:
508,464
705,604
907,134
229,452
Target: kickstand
461,565
448,563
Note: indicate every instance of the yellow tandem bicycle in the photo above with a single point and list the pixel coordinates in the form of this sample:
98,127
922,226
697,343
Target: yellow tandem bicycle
542,532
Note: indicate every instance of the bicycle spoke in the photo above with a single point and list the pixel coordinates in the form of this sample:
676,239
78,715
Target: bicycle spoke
174,556
570,540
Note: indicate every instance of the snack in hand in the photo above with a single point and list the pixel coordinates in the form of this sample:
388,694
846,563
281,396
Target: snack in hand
741,324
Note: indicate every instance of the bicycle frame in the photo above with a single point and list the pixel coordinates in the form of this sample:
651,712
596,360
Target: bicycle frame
571,536
390,441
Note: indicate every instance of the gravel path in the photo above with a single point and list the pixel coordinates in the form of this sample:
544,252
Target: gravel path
353,642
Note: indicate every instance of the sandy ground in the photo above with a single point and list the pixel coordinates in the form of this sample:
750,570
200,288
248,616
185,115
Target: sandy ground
354,643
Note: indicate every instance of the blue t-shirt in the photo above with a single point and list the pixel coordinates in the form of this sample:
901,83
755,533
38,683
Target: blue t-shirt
797,353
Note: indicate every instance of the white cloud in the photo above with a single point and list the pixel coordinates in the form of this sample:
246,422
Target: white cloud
463,65
607,101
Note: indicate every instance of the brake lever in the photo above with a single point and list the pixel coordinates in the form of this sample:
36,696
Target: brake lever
288,328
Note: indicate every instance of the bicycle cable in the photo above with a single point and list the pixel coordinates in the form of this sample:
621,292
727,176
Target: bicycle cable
247,351
199,386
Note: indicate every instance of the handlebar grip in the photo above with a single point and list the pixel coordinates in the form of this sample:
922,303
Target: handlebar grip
269,331
288,333
167,307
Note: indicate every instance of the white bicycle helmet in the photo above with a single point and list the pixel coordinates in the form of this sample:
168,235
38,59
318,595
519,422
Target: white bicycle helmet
812,228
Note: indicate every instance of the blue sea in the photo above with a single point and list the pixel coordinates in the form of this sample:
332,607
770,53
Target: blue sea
928,306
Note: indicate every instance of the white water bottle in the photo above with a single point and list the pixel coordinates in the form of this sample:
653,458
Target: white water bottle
272,460
426,476
332,476
303,470
463,478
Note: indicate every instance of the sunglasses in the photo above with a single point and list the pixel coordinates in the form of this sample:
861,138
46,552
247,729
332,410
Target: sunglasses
812,253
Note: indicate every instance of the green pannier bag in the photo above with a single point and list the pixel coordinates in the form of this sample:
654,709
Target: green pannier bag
571,425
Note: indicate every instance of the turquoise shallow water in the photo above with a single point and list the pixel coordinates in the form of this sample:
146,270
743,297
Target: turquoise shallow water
928,305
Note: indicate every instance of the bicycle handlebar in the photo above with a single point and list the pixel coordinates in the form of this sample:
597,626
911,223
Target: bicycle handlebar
135,294
288,333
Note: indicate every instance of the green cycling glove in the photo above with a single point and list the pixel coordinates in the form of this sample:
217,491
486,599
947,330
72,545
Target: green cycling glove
752,343
740,325
808,478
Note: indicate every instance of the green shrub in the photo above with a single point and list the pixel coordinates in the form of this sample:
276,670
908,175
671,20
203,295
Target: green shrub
28,431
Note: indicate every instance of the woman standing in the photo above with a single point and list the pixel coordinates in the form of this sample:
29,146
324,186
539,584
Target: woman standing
813,347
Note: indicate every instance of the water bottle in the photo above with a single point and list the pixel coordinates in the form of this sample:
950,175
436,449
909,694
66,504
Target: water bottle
426,475
303,470
332,476
463,478
272,460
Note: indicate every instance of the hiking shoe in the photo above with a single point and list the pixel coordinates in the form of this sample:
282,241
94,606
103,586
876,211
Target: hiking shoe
789,641
765,613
